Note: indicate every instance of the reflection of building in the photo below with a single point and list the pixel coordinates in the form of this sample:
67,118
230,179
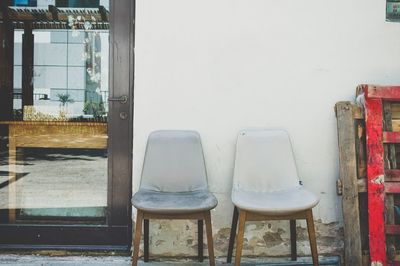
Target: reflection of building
73,62
62,65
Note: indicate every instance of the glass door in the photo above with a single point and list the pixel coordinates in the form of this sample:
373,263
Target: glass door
66,123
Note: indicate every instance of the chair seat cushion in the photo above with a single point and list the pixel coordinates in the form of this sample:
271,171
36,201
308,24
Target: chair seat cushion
278,202
174,202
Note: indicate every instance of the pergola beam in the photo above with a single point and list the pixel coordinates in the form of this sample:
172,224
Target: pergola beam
99,18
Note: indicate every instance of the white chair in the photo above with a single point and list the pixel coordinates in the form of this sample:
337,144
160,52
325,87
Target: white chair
266,187
173,186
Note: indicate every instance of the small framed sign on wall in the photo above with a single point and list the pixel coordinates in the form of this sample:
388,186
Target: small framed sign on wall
393,10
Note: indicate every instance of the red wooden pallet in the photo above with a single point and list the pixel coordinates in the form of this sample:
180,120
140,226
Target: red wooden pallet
377,176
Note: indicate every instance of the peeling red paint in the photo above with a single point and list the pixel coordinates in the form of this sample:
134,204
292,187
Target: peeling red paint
382,92
376,184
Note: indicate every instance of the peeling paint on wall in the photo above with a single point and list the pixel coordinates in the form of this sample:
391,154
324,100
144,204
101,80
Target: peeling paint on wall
269,238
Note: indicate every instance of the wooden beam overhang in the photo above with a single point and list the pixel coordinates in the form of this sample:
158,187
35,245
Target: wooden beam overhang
57,18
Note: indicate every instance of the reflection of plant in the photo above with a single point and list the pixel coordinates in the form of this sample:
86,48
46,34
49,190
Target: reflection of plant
64,99
94,108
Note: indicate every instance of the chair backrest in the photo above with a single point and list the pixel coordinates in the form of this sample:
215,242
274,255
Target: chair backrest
264,161
174,162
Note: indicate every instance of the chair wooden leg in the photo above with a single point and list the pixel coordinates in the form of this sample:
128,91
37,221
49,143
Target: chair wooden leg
311,235
146,239
233,234
240,237
293,240
138,233
210,241
200,240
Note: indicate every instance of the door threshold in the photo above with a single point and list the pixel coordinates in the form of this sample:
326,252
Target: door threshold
69,249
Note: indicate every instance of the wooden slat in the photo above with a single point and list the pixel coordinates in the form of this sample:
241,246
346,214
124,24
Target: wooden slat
357,112
392,187
395,110
362,185
391,137
390,163
396,125
382,92
348,174
63,141
376,183
392,175
392,229
361,154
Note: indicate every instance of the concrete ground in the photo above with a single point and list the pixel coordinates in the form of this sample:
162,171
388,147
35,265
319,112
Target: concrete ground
36,260
53,180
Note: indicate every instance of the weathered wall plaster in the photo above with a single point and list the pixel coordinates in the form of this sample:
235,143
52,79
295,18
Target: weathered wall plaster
220,66
261,239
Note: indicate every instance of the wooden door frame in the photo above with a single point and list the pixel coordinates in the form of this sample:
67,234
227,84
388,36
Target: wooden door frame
117,233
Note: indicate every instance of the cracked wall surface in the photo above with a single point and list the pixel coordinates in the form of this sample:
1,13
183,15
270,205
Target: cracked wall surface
270,238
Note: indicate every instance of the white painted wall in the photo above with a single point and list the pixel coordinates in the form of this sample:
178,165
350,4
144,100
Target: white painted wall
218,66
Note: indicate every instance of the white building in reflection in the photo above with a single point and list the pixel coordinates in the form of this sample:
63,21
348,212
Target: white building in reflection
66,62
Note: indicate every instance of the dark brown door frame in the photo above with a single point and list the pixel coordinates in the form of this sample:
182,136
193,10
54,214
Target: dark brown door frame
117,233
6,64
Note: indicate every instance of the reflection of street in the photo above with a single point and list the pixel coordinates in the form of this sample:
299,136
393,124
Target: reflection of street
56,178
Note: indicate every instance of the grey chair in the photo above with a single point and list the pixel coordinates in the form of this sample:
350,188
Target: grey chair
266,187
173,186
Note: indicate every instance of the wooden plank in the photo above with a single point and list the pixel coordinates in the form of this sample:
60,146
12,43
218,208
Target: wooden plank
396,125
358,113
390,150
362,185
392,229
361,153
63,141
392,175
59,135
392,187
382,92
391,137
376,183
363,201
390,163
348,175
395,110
